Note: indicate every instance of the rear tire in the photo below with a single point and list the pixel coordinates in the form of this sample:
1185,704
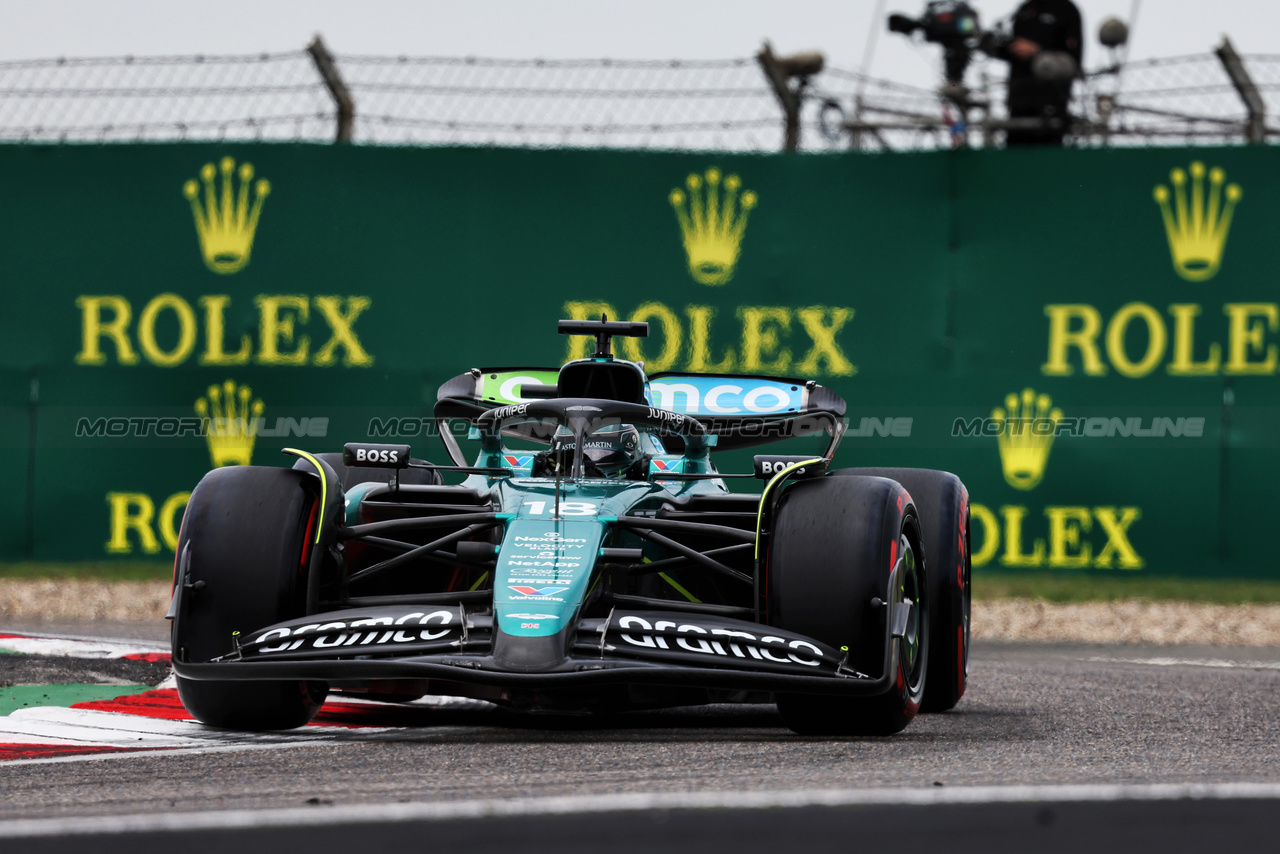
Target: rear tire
247,533
835,542
943,503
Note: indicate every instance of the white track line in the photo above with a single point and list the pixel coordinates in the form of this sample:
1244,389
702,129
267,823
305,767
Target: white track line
1160,661
79,647
137,730
296,738
54,724
87,726
571,805
165,751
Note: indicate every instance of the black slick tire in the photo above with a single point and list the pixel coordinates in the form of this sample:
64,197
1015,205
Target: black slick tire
246,536
834,544
943,503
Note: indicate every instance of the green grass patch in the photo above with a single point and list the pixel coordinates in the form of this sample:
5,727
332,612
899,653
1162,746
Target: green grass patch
1092,587
125,570
29,696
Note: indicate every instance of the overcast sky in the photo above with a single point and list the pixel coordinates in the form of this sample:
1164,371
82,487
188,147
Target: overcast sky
641,29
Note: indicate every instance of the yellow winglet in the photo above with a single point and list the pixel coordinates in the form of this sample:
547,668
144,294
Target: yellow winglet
765,494
324,486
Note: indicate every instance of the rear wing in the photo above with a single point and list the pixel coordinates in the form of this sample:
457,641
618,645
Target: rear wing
743,411
739,395
495,386
468,396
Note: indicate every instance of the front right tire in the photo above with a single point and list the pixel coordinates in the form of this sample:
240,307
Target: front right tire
247,535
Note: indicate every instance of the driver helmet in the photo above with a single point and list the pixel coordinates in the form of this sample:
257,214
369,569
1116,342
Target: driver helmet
606,453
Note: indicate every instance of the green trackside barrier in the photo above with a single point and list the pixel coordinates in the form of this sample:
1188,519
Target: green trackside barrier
1089,338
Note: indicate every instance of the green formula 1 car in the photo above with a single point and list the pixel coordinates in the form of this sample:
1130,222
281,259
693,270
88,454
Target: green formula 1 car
592,558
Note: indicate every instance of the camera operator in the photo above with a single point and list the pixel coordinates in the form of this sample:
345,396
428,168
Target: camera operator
1040,76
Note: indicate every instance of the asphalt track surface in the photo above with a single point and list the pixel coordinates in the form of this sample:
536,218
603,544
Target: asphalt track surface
1054,746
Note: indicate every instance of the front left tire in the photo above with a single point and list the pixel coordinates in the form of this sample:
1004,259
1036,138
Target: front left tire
834,545
943,503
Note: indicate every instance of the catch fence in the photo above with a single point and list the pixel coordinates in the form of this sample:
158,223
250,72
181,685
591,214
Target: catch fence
713,105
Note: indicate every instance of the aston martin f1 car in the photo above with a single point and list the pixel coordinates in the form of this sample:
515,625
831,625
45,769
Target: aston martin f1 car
591,558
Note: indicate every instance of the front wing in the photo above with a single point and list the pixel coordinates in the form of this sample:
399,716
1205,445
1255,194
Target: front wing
628,647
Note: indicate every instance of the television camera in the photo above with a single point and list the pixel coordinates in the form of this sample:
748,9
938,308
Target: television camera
955,25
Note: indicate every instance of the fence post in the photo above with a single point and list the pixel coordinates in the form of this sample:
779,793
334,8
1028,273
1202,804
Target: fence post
1256,129
33,440
333,81
779,70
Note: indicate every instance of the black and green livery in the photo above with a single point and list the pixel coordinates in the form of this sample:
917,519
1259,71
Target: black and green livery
590,558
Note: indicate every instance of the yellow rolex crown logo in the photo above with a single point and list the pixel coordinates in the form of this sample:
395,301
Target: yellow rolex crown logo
1027,424
713,219
225,218
231,423
1197,222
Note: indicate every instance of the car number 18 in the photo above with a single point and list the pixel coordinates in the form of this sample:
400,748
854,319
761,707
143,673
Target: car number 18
567,508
